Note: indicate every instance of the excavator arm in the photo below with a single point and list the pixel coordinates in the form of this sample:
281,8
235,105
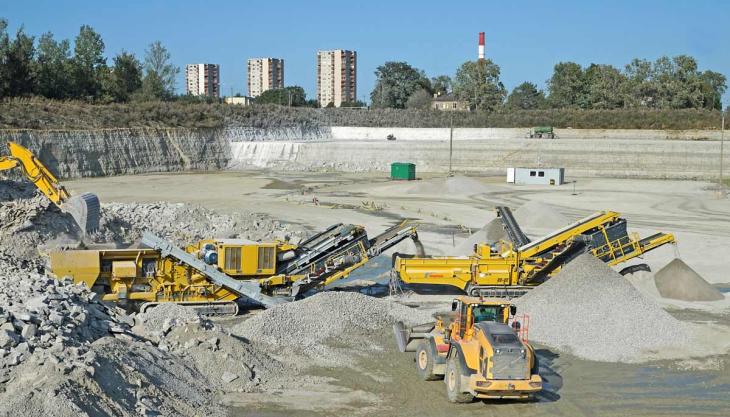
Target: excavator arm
35,171
85,209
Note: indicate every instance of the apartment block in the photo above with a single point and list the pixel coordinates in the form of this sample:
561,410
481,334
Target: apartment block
264,74
336,77
202,80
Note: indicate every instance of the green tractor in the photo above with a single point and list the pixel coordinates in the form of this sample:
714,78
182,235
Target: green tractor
541,132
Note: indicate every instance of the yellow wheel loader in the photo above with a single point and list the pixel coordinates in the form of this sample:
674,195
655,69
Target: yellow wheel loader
212,274
475,351
85,208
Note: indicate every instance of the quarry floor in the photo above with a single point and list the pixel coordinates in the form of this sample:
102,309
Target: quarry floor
449,210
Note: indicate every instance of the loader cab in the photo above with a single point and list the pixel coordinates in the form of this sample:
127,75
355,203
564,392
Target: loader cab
472,310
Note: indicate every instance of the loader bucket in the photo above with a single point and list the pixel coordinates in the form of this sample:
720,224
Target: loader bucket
401,335
85,209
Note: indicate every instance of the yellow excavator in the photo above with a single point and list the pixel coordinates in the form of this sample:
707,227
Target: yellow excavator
212,274
85,208
511,268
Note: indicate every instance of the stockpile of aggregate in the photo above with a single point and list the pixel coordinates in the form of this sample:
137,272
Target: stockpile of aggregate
678,281
314,326
457,185
63,353
534,218
28,219
184,224
229,364
591,311
538,215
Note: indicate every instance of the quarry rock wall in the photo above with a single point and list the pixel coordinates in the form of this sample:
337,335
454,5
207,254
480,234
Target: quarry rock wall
583,152
86,153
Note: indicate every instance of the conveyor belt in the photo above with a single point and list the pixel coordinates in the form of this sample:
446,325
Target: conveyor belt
513,230
250,289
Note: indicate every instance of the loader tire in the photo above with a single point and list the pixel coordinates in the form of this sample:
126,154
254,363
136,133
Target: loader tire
454,390
425,361
535,370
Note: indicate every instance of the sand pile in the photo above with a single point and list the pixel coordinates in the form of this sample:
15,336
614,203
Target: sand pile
678,281
591,311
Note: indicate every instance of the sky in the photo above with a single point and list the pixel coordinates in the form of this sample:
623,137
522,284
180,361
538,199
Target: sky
525,38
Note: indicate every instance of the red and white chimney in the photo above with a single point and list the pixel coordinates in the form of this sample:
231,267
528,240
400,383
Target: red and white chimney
481,45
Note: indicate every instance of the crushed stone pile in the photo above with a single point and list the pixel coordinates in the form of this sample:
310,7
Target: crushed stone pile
63,353
131,379
165,316
28,220
466,246
457,185
534,218
678,281
183,224
230,364
538,215
325,315
44,319
591,311
326,327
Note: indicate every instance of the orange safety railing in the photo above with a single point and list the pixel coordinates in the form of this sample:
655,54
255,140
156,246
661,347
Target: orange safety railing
521,325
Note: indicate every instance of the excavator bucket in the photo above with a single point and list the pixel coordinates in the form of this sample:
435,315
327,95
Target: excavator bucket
85,209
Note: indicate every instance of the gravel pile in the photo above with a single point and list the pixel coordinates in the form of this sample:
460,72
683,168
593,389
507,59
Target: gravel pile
457,185
323,316
536,215
230,364
62,353
534,218
165,316
42,318
28,220
184,224
678,281
591,311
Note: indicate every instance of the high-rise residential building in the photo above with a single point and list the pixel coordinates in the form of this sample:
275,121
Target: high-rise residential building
264,74
202,80
336,77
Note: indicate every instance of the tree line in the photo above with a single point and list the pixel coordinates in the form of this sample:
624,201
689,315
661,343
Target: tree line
57,69
667,83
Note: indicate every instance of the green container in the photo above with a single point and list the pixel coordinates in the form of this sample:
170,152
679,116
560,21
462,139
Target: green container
544,129
403,171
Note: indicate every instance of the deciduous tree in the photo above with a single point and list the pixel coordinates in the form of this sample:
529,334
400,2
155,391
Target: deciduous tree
89,63
396,81
526,96
567,86
53,67
160,73
478,83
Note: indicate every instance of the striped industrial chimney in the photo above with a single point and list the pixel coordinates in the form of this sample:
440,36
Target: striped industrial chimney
481,45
